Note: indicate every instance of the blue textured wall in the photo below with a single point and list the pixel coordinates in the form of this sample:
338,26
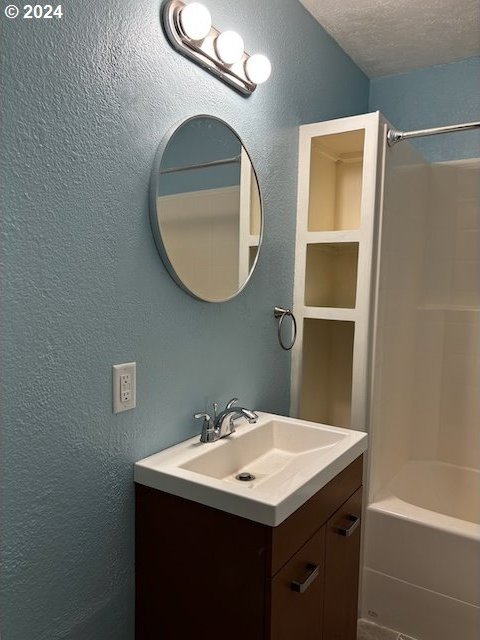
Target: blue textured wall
432,97
85,103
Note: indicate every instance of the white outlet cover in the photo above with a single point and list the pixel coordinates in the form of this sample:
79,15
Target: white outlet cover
129,368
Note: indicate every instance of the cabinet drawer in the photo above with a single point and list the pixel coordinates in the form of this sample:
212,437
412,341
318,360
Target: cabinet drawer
297,593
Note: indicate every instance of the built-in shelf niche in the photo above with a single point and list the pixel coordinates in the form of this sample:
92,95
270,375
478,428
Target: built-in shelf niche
331,275
327,358
335,193
338,170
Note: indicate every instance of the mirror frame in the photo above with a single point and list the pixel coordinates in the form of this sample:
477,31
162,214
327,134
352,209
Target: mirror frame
155,225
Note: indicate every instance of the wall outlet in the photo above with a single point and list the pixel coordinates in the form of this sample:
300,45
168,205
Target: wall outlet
124,386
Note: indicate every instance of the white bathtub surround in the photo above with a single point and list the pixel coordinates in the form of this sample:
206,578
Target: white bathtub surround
370,631
440,494
451,303
425,402
422,527
396,355
428,615
422,574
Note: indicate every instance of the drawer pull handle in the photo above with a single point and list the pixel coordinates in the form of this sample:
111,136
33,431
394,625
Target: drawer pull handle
354,523
301,587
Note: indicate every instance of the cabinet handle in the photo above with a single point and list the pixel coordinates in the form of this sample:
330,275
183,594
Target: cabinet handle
301,587
354,523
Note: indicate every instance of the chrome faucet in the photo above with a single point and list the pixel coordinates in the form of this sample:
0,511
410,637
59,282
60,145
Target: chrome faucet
225,421
223,424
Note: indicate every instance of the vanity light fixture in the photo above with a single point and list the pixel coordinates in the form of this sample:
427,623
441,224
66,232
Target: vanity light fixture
189,29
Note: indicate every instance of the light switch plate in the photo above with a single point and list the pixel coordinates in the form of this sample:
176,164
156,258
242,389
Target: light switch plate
124,386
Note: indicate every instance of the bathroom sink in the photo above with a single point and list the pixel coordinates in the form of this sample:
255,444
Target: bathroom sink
263,471
263,451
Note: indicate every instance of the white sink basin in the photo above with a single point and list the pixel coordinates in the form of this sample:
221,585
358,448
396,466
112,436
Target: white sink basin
290,459
264,451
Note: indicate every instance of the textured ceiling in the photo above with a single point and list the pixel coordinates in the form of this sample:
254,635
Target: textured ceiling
391,36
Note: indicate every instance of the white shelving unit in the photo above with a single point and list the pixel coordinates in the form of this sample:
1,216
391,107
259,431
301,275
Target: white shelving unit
337,196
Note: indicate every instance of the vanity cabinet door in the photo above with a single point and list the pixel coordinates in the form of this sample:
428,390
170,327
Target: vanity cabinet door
297,593
342,559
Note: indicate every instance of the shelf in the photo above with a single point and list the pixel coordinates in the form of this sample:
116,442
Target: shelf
336,169
327,361
331,275
320,237
327,313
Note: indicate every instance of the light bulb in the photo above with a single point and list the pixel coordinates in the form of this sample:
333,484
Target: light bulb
196,21
258,68
229,46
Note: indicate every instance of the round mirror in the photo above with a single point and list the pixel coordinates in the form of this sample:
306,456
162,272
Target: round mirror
206,209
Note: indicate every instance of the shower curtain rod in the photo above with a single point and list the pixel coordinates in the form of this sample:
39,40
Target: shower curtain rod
394,136
203,165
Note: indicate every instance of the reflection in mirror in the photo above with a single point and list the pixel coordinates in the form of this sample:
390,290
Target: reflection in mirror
206,209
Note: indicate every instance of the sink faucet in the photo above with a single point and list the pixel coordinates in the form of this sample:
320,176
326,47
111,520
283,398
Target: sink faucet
223,424
225,421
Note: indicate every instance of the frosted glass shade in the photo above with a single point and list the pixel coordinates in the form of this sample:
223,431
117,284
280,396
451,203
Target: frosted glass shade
258,68
230,47
196,21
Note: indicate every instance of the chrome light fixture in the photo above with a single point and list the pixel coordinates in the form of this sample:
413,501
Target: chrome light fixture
189,29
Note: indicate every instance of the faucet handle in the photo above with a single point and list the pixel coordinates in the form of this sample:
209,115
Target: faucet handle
209,432
231,403
199,416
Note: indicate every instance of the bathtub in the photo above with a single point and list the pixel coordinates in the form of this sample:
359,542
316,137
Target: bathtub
421,572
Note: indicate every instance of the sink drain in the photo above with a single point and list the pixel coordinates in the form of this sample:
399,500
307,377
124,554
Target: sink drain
245,476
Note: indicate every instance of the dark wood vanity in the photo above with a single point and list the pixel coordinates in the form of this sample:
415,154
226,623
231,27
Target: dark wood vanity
203,573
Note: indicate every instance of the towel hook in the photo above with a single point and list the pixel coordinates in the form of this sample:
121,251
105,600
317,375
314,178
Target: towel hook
281,314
